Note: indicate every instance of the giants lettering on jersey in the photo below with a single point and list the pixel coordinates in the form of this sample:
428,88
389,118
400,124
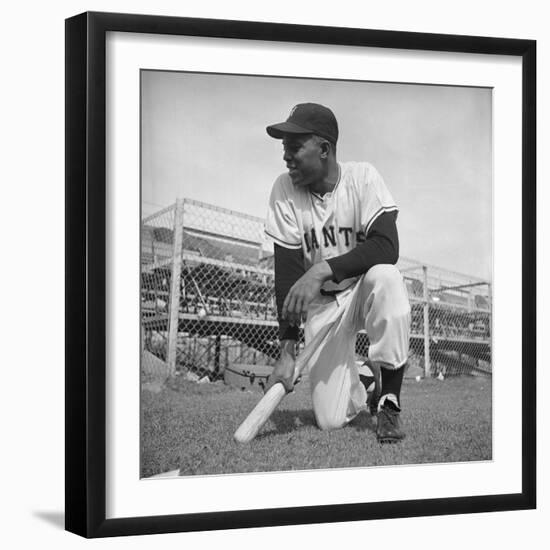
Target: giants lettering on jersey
330,237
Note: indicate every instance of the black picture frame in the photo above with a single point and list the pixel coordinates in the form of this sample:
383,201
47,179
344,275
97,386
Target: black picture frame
86,273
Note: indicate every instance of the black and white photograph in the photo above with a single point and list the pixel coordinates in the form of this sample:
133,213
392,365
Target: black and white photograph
316,274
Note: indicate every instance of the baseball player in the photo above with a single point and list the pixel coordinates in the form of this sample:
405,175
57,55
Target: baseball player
336,245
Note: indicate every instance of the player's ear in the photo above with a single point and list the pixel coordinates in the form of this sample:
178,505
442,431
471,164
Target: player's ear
325,148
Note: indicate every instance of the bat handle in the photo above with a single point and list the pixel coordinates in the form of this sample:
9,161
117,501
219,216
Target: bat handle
258,416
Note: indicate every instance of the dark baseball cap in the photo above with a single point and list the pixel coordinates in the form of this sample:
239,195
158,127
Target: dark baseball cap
307,118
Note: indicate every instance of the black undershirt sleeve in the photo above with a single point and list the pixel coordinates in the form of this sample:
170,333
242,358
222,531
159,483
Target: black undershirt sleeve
380,247
289,267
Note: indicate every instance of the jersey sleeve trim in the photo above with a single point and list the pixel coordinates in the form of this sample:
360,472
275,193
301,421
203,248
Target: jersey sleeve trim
378,213
281,242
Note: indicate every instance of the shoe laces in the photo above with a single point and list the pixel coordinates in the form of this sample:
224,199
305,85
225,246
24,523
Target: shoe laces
390,415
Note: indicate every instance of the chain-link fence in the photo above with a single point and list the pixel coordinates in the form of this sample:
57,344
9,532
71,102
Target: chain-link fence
450,321
208,308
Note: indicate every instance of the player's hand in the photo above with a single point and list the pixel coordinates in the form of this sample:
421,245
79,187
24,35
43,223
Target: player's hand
283,372
304,290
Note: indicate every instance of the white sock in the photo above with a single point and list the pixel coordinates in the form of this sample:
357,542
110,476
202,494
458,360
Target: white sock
392,397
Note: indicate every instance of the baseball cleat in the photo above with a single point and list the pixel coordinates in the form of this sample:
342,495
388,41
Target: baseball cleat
389,428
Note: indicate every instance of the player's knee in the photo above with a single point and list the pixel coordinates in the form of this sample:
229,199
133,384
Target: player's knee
329,422
386,280
384,276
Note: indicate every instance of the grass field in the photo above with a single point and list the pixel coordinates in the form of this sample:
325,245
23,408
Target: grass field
190,426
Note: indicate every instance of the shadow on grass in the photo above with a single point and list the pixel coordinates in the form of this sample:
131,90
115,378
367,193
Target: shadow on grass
363,422
287,421
291,421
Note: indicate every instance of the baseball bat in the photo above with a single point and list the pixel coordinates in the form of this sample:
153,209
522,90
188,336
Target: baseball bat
253,423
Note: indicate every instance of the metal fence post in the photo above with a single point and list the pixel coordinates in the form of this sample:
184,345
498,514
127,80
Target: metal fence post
175,288
427,366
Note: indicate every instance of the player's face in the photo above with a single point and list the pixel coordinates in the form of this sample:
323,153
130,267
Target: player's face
302,155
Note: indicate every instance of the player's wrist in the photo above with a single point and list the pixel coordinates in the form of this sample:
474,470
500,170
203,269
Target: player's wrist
288,349
322,271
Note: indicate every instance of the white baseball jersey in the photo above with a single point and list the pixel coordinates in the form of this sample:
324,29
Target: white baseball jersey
330,225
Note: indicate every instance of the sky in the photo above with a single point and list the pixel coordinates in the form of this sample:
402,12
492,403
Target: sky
203,137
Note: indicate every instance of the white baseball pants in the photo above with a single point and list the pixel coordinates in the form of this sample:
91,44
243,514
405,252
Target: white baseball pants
376,302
